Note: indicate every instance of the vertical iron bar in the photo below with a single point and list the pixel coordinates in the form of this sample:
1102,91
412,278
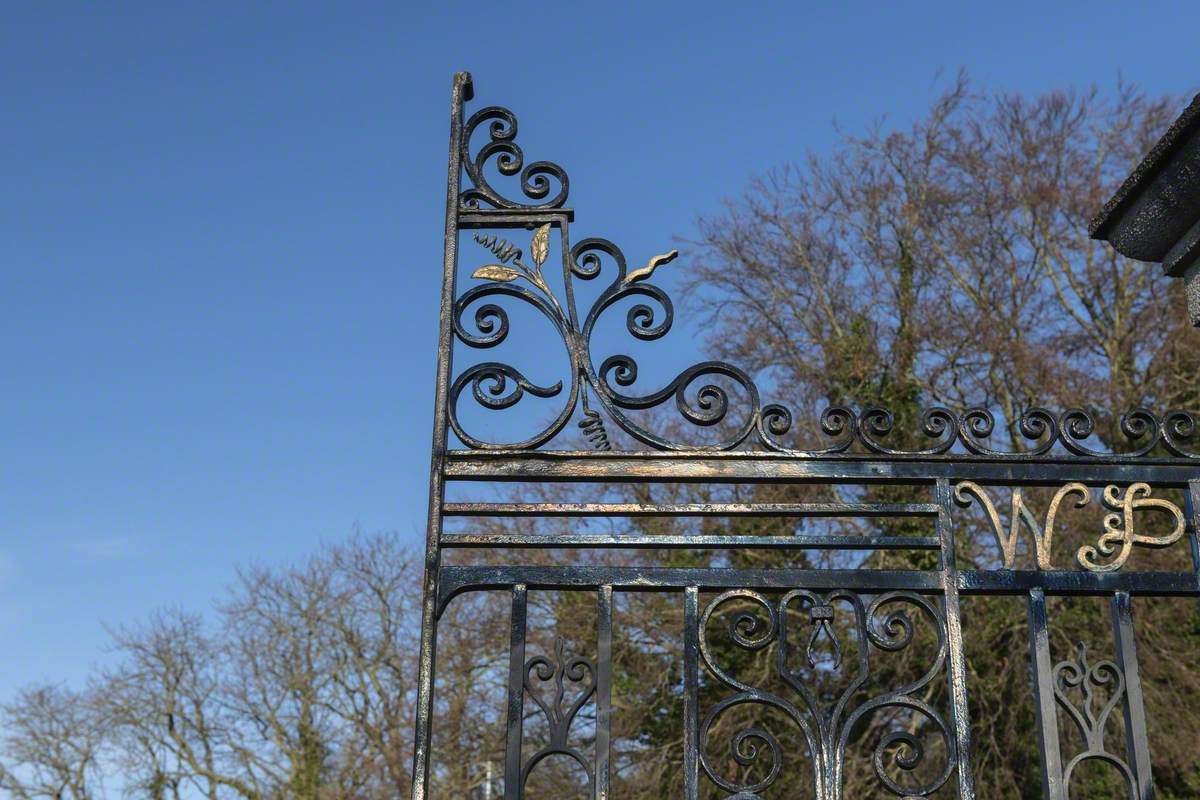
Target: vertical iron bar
1191,509
603,688
460,93
957,667
1043,694
516,693
691,691
1135,710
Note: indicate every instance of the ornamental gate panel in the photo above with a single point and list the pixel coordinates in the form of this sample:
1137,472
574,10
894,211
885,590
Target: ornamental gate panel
824,627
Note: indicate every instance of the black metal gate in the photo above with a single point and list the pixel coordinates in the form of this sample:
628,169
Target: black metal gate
847,619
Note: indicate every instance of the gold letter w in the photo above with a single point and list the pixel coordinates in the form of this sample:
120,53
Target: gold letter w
1043,538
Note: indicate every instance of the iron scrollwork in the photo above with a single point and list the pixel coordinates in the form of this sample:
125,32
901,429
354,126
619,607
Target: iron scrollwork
845,429
498,386
1037,429
490,381
561,709
1091,715
536,179
826,723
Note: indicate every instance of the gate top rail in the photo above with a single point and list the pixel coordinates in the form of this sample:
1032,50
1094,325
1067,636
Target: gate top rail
757,467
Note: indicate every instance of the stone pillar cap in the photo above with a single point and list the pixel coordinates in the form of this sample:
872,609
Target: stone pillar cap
1155,215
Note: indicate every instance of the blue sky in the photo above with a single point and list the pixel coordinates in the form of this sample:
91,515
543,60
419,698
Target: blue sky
220,238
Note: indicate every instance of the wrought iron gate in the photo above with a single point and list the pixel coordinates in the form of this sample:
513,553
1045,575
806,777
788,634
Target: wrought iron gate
815,621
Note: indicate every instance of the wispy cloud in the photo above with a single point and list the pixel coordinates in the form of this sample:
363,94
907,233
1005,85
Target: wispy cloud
106,546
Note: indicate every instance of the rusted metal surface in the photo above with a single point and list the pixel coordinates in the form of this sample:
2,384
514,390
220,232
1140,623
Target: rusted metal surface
690,510
512,215
609,540
542,466
461,92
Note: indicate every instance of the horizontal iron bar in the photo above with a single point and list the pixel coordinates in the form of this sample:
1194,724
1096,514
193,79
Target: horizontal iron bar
798,542
460,578
1004,581
457,579
690,510
512,218
745,467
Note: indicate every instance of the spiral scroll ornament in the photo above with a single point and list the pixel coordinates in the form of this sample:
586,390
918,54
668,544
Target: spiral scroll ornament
1101,689
535,180
704,393
795,625
701,393
713,394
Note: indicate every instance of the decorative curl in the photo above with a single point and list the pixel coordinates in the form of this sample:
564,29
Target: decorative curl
838,422
745,753
491,320
895,630
1036,425
586,261
907,757
536,179
745,628
1139,424
907,751
774,420
708,407
742,745
489,384
639,320
496,374
1076,424
1178,429
977,423
939,424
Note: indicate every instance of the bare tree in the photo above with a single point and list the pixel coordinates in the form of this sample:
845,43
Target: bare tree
951,263
300,686
51,745
166,701
371,632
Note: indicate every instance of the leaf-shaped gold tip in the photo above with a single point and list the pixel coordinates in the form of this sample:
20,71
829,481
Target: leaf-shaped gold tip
540,247
648,270
496,272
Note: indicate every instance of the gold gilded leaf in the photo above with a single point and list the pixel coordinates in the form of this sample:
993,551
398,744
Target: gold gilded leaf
540,247
648,270
496,272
